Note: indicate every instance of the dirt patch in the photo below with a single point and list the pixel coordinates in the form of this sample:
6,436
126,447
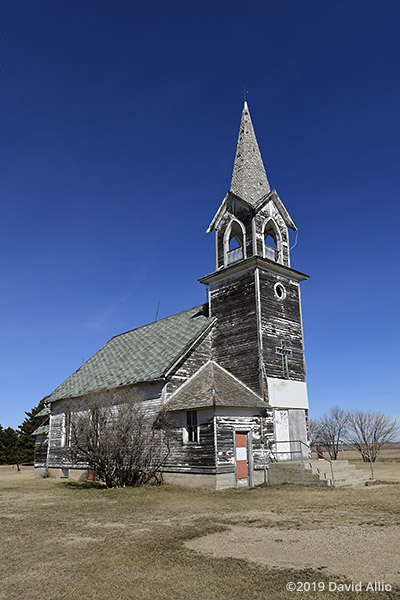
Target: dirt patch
355,553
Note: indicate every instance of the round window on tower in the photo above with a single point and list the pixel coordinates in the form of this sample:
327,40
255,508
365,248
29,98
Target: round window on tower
280,291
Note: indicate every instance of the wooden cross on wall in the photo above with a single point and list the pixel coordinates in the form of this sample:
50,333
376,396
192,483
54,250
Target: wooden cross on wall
284,353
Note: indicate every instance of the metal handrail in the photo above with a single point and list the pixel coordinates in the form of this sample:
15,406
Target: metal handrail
301,454
343,443
362,453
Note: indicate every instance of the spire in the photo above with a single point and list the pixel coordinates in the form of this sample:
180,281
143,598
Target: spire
249,179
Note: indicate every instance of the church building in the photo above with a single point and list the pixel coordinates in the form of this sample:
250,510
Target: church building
231,372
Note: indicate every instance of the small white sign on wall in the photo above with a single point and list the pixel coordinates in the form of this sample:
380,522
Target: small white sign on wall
241,453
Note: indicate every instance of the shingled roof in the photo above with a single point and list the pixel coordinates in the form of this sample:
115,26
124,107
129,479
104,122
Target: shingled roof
142,354
212,385
249,179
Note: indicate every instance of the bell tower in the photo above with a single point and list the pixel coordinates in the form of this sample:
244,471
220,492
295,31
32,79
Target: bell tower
254,293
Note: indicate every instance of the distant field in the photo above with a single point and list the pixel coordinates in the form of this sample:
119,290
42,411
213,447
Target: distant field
387,467
66,541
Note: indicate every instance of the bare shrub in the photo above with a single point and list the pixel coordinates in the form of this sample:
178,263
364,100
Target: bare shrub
329,430
369,431
122,444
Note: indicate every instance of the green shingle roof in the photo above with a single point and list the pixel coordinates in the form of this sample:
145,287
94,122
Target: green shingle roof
44,412
143,354
41,430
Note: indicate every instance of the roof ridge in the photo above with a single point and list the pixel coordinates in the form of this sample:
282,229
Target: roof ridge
138,355
158,321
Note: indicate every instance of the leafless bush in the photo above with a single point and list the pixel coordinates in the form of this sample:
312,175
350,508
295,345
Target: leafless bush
123,445
369,431
329,430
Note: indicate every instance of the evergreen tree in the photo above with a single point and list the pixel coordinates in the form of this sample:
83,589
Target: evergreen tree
9,446
26,439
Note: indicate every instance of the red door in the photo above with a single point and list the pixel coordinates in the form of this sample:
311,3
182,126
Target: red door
241,456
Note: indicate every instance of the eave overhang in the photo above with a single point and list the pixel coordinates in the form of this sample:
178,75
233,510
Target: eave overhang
160,379
272,196
222,207
254,262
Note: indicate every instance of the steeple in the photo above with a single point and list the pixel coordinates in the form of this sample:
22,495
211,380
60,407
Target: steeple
249,179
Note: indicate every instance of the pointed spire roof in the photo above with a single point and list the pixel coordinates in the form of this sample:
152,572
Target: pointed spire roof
249,179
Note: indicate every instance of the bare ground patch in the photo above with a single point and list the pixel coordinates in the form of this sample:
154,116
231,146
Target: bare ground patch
374,551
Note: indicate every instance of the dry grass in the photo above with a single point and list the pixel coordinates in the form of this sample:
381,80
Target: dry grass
386,469
63,540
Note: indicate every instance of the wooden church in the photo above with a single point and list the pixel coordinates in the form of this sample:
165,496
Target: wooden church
230,373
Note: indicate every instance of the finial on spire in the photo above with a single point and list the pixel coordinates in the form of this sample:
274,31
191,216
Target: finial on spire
245,92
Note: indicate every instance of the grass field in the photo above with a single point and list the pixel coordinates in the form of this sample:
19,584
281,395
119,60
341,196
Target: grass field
63,540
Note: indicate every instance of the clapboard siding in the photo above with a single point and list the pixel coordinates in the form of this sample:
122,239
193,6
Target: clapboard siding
196,358
148,394
41,445
281,321
235,346
186,457
262,431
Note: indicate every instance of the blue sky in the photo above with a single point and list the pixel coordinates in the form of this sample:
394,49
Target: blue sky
119,122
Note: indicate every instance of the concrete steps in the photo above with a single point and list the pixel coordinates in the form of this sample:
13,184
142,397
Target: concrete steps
316,472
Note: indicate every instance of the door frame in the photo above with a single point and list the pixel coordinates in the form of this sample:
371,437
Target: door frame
249,447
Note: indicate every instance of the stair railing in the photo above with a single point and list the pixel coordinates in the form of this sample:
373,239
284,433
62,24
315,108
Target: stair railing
309,448
369,459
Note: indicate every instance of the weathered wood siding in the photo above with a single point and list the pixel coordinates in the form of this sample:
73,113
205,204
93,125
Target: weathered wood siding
281,320
60,456
235,345
40,456
262,431
192,457
196,358
215,451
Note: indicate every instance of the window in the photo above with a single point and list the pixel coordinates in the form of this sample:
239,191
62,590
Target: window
192,428
279,291
234,242
272,241
270,248
66,433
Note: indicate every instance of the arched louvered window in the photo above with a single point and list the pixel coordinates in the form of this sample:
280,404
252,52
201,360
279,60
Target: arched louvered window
234,242
272,242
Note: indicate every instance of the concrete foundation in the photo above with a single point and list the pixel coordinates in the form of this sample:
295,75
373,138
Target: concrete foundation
54,473
220,481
